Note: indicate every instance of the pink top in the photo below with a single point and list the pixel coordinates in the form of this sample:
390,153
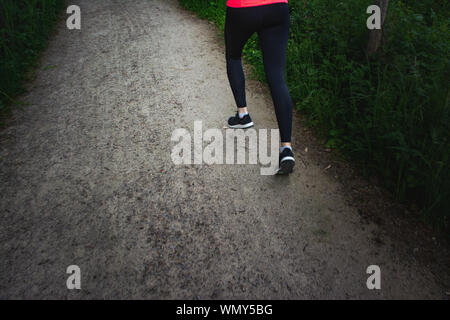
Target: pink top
251,3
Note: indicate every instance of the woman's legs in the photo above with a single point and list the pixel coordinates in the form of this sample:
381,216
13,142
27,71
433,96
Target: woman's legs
271,22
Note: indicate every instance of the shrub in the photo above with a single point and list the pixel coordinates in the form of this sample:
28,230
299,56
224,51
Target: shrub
24,28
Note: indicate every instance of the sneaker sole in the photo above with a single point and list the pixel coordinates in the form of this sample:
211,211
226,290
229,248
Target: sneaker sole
286,166
241,126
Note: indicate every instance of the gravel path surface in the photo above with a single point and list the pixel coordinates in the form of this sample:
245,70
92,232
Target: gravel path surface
87,179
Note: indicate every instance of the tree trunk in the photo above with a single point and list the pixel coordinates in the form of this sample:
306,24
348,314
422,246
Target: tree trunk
376,35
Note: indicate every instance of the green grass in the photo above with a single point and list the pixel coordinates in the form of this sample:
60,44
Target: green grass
389,114
25,26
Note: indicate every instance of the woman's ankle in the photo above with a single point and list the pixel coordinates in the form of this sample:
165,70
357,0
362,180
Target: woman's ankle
243,110
285,146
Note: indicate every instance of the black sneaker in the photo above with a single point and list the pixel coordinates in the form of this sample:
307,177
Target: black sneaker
287,161
238,123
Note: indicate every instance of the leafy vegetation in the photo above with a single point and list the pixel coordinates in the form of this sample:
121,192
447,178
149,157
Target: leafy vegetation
389,113
24,28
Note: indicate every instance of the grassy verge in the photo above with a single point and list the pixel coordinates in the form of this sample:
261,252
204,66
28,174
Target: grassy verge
24,29
390,114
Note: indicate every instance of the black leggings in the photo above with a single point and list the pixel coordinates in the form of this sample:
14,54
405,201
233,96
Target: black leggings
271,22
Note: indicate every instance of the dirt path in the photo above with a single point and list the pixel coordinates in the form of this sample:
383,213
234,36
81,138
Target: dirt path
86,179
